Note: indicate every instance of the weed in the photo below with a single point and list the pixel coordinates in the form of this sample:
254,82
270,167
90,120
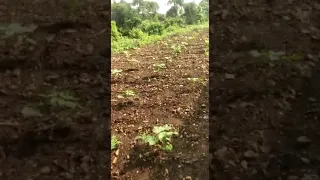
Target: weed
123,44
160,138
177,49
114,142
159,67
127,93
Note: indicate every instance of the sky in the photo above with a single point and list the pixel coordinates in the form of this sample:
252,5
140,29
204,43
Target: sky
163,7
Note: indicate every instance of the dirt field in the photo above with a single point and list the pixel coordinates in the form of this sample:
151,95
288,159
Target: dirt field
44,132
167,96
264,107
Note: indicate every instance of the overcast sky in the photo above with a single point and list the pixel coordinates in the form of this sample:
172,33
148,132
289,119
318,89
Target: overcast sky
163,7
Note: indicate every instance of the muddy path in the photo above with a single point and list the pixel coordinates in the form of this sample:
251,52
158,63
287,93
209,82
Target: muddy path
175,94
264,90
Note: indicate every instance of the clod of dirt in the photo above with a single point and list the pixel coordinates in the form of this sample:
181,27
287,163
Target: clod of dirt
250,154
317,6
305,160
221,152
310,177
303,140
85,167
229,76
244,164
45,170
30,112
255,53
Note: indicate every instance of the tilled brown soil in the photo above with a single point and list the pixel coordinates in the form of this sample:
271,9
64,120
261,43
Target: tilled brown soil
37,139
264,113
167,96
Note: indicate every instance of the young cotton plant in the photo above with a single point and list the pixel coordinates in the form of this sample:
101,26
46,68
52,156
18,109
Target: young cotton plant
160,138
114,142
177,49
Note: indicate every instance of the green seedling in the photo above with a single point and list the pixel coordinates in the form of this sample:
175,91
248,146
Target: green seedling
127,94
177,49
62,99
159,67
116,72
114,142
160,138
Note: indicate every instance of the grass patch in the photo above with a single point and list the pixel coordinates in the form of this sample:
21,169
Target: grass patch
125,43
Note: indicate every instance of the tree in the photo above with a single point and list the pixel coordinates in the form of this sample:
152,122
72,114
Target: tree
137,2
192,13
146,9
175,2
121,12
172,12
177,9
204,8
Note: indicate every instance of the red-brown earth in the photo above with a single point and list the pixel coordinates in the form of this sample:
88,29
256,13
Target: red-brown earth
172,96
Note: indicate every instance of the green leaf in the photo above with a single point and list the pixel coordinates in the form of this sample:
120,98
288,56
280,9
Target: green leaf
151,140
114,142
167,147
159,129
165,136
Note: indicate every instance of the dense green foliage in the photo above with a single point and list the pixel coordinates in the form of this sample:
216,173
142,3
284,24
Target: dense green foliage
139,22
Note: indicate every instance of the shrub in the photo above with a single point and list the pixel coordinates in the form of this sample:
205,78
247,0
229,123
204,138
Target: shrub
152,28
115,34
137,33
173,22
